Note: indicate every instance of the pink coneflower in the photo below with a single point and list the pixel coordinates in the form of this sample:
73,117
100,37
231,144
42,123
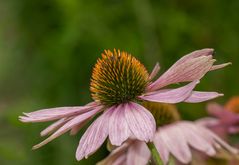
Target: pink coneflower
225,118
177,140
119,83
174,140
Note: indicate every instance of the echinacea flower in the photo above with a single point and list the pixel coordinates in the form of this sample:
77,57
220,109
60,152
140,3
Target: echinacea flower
176,141
119,83
225,119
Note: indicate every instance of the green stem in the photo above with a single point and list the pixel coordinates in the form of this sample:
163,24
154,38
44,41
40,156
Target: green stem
155,153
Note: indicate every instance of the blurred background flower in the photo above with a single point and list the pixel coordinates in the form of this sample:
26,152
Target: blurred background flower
48,47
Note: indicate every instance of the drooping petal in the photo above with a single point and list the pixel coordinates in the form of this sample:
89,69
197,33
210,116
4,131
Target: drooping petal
197,96
186,71
171,95
118,127
161,147
116,157
120,160
94,136
76,129
138,154
217,141
54,126
140,121
67,126
194,139
154,71
179,148
179,136
54,113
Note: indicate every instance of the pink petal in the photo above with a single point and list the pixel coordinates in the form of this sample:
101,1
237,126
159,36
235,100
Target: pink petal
94,136
184,71
217,141
197,97
76,129
224,115
195,54
171,95
119,161
177,137
155,71
54,126
118,128
176,143
161,147
66,127
54,113
207,122
215,110
195,140
215,67
138,154
117,156
233,129
140,121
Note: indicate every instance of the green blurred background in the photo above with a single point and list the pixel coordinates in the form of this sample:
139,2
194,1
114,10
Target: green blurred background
48,49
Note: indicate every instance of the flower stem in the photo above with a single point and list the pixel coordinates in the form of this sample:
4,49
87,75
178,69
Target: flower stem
155,153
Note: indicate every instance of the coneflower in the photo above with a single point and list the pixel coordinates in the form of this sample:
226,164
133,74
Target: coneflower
174,140
225,119
119,83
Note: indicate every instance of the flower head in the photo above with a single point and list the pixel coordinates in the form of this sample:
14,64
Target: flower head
233,105
119,84
177,139
225,118
173,138
117,78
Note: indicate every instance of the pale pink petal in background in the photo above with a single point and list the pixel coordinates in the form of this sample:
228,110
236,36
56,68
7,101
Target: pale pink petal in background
179,148
176,139
138,154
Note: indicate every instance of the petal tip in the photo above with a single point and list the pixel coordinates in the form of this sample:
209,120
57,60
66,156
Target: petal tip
220,94
23,119
197,81
35,147
79,157
42,133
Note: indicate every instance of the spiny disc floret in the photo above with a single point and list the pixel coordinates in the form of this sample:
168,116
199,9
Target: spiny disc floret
118,77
